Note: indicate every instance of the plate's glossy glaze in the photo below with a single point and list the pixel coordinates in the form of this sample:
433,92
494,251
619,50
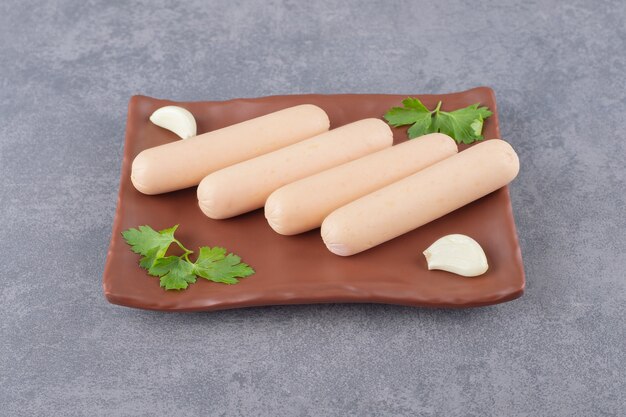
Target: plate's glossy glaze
299,269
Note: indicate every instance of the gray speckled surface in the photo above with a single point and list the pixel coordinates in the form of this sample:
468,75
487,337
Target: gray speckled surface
67,70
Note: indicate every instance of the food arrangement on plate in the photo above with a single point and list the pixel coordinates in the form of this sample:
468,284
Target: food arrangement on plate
356,187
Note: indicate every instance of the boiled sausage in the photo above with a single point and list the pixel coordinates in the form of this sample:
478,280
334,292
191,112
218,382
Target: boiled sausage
245,186
303,205
184,163
420,198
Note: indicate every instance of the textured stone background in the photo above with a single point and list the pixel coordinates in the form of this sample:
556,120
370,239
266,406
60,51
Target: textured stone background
67,70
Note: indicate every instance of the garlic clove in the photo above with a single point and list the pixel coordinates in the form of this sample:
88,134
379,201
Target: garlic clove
459,254
175,119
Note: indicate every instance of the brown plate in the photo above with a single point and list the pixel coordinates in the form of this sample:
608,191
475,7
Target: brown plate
299,269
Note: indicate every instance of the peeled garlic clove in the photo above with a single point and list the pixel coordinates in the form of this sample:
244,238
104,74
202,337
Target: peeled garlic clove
458,254
175,119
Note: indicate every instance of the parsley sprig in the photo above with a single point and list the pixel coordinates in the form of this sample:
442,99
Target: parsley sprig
463,125
177,272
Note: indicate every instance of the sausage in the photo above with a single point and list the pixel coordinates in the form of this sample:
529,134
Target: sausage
184,163
245,186
420,198
303,205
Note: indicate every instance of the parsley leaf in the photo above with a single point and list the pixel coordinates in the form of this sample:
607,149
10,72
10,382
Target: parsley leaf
213,264
412,112
147,261
463,125
177,272
145,239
